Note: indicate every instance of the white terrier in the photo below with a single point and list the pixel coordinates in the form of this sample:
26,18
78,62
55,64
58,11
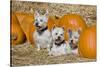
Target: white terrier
73,40
60,46
42,35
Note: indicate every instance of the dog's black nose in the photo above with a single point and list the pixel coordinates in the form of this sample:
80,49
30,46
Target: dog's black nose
59,37
71,41
36,24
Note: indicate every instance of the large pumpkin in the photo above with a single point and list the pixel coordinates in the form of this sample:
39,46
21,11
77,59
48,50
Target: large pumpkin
87,43
17,34
26,21
73,22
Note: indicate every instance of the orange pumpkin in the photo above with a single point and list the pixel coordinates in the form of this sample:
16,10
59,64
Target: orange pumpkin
87,43
72,21
53,20
17,34
26,22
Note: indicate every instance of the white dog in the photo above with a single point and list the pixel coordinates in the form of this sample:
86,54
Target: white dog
42,35
60,46
73,40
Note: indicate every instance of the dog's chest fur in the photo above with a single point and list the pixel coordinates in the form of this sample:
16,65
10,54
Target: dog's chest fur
60,50
42,39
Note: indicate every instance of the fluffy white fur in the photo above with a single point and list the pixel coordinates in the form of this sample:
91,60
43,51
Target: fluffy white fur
60,50
74,36
64,48
44,40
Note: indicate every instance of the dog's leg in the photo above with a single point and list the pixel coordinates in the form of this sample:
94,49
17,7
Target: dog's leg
48,48
50,53
38,47
51,50
49,45
75,51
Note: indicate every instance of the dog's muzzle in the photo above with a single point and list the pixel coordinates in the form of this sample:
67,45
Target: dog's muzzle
58,38
73,45
37,25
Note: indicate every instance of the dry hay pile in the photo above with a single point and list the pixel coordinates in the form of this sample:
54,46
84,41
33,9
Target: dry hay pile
26,54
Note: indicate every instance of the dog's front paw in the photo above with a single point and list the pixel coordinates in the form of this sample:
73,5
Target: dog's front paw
48,50
50,53
75,52
38,49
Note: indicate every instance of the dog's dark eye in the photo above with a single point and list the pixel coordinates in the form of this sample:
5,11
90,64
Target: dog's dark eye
41,20
35,19
76,37
56,33
61,34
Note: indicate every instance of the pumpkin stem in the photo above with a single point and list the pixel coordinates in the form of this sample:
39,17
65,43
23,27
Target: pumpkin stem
56,17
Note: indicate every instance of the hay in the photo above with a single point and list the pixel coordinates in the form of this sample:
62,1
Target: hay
26,54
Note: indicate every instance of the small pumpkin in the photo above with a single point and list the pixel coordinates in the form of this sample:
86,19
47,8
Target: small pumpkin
87,43
73,22
17,34
26,22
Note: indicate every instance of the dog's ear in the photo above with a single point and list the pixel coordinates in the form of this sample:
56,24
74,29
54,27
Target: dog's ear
69,32
53,27
56,17
79,30
46,14
63,27
36,13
